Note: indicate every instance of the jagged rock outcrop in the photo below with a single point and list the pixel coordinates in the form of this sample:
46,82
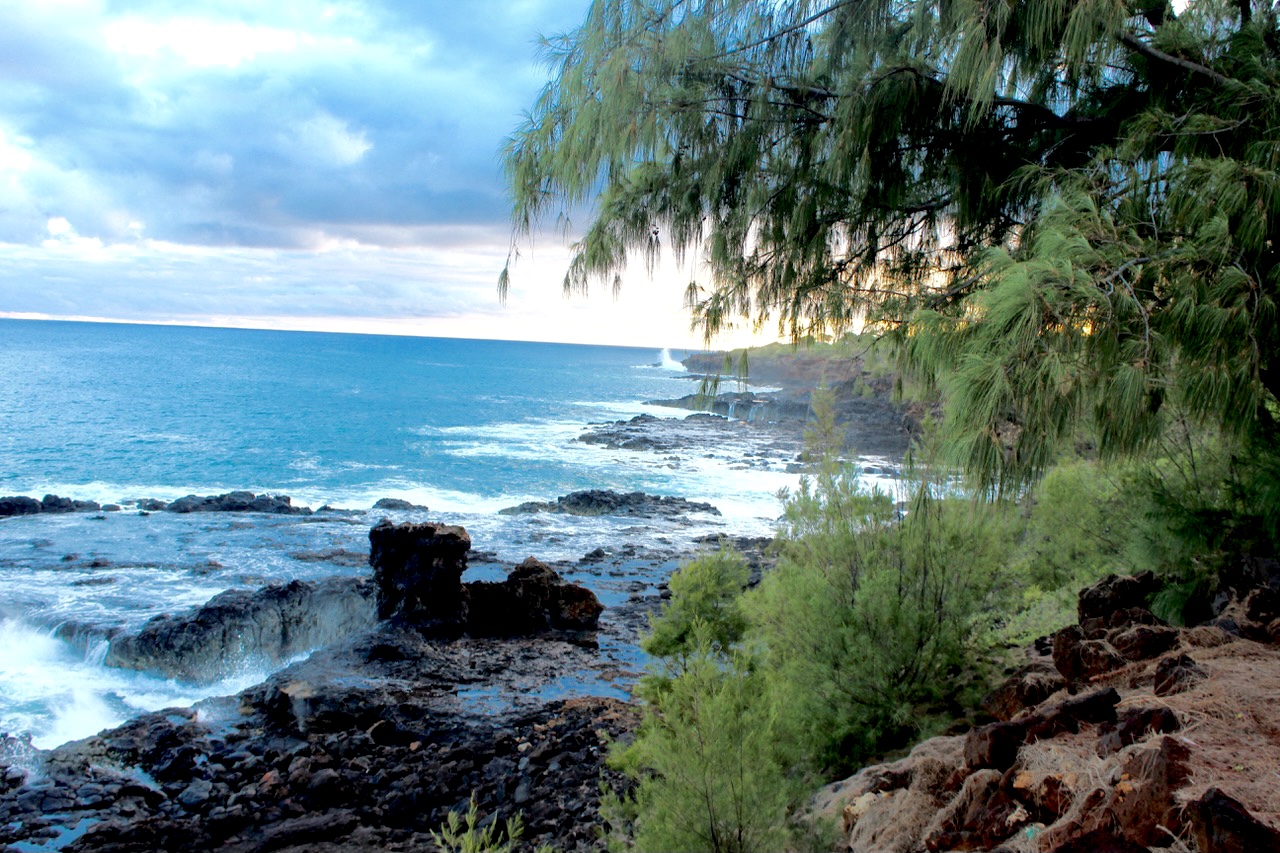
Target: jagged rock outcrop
238,502
533,600
418,571
22,505
604,502
743,405
271,624
18,505
1106,769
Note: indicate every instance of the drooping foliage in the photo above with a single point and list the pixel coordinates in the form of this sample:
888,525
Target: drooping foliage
1067,211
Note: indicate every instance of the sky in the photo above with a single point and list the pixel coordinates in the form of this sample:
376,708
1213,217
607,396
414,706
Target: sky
294,164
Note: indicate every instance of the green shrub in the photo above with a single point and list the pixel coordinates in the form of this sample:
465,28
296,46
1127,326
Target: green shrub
464,834
706,592
708,775
1078,525
867,621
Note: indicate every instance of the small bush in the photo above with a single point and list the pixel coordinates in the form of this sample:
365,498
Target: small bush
867,620
464,834
704,592
708,775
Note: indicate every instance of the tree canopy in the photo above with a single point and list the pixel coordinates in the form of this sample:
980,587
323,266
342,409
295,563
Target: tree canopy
1066,211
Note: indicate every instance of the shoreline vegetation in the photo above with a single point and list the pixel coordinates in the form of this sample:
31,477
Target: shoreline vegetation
1085,602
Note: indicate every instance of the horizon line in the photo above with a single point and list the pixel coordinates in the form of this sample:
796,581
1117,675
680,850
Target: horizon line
266,325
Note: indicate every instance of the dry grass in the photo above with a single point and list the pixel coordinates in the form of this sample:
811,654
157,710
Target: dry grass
1232,722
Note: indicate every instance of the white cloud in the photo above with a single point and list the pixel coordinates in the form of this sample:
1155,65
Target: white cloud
15,152
296,164
200,42
325,140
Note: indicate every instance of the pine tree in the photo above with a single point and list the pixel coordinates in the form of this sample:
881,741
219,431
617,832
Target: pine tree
1066,211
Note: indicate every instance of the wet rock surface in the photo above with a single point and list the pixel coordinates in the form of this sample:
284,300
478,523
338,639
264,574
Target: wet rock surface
170,781
270,624
418,570
604,502
238,502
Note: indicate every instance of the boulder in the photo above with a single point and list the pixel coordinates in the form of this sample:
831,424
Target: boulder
1096,708
1136,724
978,818
1220,824
53,503
396,504
1080,659
996,745
1177,675
1100,627
534,599
418,572
1143,642
271,624
19,505
1141,806
1026,688
1116,592
1241,577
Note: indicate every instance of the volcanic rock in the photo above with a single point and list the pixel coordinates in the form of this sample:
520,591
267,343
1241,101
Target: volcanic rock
418,572
534,599
1116,592
272,624
603,502
1026,688
396,504
1220,824
418,569
54,503
238,502
1177,674
19,505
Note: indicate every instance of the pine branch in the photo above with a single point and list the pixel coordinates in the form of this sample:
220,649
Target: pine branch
784,31
1134,43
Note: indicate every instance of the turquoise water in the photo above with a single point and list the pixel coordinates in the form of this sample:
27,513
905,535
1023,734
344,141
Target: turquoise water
108,411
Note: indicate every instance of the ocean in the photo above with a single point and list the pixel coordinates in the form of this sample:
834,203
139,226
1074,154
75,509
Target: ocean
118,413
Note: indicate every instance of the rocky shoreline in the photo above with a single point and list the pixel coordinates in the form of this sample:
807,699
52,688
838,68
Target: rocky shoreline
368,743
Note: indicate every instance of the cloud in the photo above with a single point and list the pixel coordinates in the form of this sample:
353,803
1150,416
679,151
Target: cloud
295,164
256,124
